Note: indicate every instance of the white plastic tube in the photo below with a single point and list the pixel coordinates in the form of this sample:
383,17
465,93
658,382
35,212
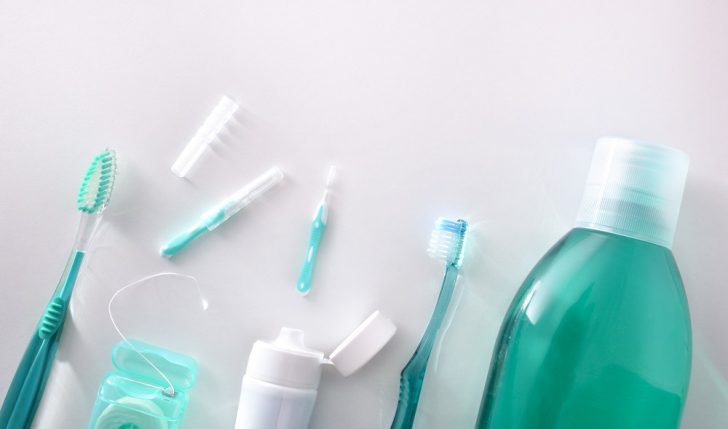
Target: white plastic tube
281,380
266,405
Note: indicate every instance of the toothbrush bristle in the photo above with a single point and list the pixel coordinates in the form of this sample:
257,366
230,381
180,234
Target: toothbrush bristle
448,240
331,176
95,192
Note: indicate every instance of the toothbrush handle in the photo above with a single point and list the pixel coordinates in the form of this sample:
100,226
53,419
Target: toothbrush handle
303,286
181,241
209,221
413,373
26,389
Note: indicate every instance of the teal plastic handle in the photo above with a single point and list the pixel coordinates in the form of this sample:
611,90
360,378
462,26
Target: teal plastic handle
413,373
303,286
181,241
208,222
26,389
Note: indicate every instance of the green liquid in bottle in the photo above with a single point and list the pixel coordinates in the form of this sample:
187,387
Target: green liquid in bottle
598,337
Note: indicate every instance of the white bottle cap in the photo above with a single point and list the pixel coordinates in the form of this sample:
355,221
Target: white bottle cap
634,189
363,344
287,361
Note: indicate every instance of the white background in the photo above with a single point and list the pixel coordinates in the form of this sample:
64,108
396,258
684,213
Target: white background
485,109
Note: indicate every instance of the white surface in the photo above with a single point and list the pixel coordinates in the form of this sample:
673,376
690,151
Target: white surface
483,109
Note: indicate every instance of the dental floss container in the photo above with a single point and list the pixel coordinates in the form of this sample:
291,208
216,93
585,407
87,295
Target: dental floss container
134,395
280,384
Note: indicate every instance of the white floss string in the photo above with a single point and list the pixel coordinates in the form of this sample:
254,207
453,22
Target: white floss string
169,391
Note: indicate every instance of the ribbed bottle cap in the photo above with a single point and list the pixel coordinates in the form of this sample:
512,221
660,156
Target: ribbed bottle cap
286,361
634,189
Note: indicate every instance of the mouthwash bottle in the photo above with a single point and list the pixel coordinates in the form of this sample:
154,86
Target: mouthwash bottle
598,336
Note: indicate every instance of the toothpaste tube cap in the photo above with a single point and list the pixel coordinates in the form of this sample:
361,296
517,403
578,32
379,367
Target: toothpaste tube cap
363,344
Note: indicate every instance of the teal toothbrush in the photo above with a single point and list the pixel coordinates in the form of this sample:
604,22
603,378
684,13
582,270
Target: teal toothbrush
223,211
318,226
447,243
26,389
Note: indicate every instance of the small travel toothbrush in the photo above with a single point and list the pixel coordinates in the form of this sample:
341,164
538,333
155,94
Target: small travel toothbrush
212,218
447,243
320,218
26,389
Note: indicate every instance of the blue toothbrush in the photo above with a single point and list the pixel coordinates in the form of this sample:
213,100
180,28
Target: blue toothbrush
320,217
26,389
447,243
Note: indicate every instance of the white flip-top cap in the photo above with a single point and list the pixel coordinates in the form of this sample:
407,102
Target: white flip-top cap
363,344
634,189
288,362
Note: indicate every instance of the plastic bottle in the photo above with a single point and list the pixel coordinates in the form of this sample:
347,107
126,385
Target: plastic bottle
134,395
280,384
598,336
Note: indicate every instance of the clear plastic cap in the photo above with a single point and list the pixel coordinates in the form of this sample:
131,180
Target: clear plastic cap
209,130
634,189
259,186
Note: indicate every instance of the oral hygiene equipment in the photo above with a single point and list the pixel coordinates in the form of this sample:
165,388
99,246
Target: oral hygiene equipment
280,385
447,243
225,210
318,226
131,396
149,387
26,389
207,133
598,336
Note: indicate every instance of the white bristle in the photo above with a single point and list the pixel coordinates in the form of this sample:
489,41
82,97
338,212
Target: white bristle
331,177
446,241
441,243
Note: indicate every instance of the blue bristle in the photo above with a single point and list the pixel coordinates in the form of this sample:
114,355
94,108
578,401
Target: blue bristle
450,225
